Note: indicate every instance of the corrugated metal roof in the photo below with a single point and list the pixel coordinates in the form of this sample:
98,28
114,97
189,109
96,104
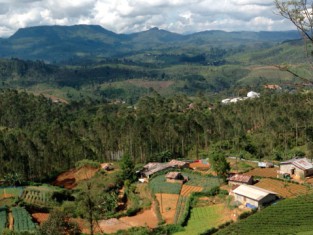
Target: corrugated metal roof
252,192
240,178
302,163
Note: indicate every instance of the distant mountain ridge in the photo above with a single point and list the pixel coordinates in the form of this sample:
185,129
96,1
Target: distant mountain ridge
62,43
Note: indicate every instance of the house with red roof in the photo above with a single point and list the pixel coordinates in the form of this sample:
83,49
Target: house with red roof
239,179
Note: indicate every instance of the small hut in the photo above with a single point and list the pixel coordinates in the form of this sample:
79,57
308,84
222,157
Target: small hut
175,177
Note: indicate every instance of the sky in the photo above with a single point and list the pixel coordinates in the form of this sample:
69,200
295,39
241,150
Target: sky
128,16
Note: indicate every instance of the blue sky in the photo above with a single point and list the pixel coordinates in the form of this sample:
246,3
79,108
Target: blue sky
127,16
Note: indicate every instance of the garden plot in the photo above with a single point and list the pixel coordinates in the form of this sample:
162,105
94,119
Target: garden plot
263,172
284,189
188,189
204,181
22,220
9,192
40,196
158,184
204,218
3,218
168,203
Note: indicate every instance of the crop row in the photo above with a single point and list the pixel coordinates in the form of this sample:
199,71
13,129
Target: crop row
3,218
288,216
180,208
159,185
22,220
37,197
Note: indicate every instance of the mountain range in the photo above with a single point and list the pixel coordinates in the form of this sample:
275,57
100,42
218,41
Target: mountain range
64,43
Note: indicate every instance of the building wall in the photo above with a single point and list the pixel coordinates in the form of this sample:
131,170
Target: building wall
244,200
269,198
309,172
287,168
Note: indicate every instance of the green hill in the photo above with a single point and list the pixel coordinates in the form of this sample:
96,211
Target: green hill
66,43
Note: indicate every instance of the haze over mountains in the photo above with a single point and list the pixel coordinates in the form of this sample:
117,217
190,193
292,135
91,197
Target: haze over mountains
63,43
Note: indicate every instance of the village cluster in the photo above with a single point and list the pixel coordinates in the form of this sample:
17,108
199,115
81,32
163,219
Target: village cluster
242,186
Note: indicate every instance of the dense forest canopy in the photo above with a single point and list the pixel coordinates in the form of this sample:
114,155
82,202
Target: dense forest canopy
39,138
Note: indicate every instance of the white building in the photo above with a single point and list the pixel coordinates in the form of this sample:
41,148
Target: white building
253,196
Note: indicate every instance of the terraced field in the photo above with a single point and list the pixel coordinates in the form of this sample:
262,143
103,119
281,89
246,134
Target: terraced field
263,172
284,189
289,216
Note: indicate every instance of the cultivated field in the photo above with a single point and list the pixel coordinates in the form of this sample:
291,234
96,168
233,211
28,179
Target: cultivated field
204,181
3,218
9,192
159,185
263,172
168,203
289,216
284,189
188,189
204,218
22,220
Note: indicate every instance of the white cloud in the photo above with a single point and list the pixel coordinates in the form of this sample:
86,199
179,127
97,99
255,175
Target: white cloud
125,16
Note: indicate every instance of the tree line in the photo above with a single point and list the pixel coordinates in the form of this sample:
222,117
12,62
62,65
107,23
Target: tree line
39,138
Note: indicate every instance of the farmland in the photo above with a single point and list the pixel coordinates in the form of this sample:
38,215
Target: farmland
284,189
3,218
281,218
188,189
22,220
40,196
204,181
263,172
8,192
204,218
168,203
159,185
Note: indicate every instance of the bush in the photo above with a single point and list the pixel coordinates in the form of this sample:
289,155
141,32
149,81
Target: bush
246,214
210,231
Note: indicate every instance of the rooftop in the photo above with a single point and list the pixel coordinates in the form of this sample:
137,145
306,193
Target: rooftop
302,163
240,178
252,192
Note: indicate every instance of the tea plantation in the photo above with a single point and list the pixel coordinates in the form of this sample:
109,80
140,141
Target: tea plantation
289,216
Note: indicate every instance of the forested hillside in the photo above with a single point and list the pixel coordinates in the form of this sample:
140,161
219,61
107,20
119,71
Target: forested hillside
66,44
39,138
